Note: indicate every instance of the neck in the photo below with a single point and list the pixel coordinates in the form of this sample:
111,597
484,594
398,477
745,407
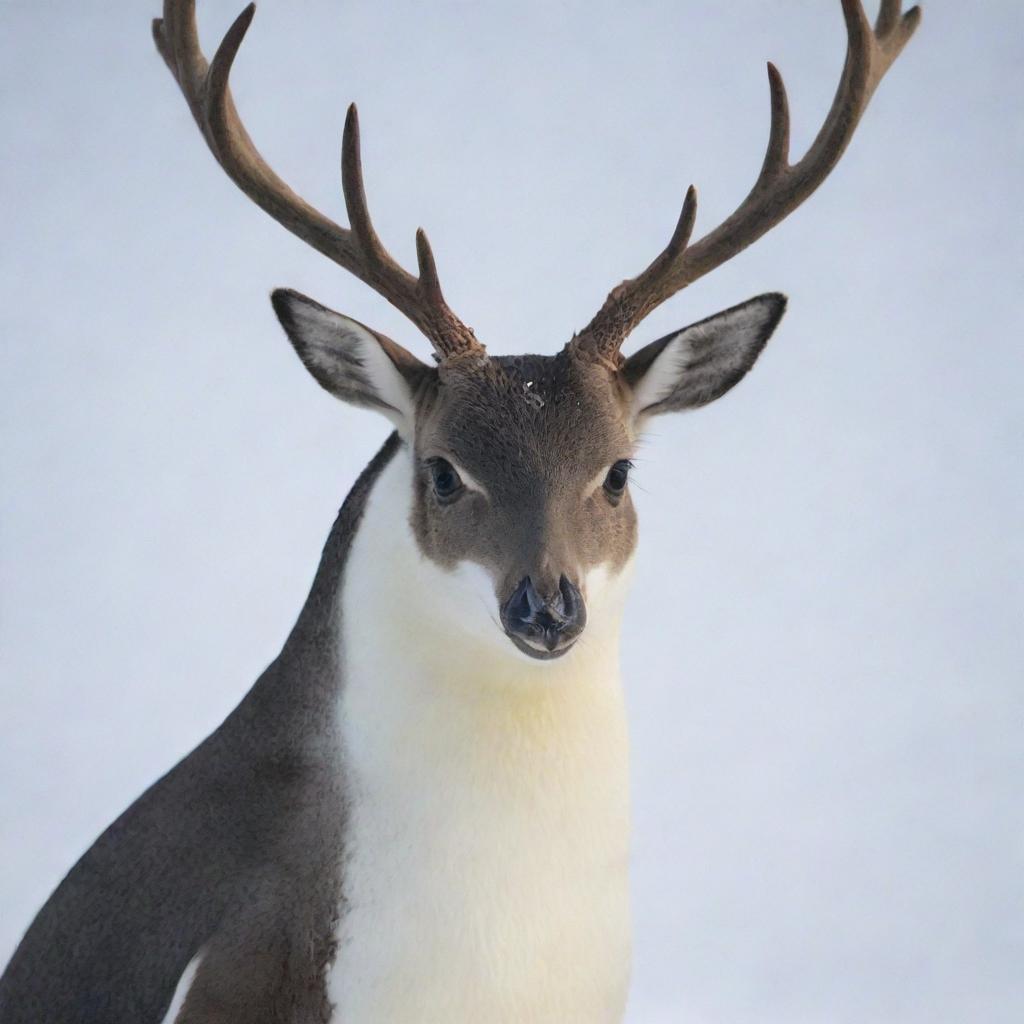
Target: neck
484,785
397,602
450,692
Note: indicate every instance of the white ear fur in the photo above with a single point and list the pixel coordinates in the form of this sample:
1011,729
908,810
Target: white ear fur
703,361
346,358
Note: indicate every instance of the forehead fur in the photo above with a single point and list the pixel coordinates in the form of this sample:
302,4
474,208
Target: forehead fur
516,417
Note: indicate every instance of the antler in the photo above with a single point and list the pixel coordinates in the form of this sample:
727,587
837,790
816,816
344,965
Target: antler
358,249
780,187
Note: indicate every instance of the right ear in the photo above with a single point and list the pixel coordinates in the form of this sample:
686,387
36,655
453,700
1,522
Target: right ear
700,363
349,360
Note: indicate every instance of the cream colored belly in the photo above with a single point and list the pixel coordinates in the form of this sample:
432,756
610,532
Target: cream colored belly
465,942
485,865
486,869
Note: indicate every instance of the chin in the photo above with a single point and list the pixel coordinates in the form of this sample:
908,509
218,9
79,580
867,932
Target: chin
540,654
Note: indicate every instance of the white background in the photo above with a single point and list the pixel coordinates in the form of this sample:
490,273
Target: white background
823,653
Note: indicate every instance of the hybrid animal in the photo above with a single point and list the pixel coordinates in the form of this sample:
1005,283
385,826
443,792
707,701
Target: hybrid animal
419,813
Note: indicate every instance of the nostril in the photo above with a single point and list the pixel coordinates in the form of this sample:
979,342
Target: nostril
534,602
571,599
525,608
520,607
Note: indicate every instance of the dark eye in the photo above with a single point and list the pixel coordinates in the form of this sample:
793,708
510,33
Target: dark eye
446,479
617,478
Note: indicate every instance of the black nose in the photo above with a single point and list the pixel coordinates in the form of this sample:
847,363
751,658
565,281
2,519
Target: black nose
543,625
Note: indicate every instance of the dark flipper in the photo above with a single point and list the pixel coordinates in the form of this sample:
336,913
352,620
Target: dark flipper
235,852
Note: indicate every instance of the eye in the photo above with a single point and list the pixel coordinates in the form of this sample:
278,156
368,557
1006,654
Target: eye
445,477
617,478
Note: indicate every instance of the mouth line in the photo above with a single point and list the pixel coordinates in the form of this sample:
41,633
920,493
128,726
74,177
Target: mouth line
541,655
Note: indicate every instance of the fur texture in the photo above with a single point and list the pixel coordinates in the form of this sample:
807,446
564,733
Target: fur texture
487,847
698,364
234,851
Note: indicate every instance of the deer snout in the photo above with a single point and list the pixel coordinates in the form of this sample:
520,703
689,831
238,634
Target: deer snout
544,625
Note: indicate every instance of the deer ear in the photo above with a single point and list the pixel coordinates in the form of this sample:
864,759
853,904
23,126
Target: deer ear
349,360
701,362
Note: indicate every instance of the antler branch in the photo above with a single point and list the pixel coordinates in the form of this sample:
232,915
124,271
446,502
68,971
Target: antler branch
780,186
358,249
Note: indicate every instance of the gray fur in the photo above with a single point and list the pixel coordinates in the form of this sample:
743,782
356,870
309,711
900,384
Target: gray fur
235,851
533,430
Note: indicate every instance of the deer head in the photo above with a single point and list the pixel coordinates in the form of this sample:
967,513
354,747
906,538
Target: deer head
521,464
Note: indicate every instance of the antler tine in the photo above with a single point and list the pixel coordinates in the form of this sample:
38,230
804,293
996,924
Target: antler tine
178,43
779,189
359,249
355,192
430,285
776,157
888,17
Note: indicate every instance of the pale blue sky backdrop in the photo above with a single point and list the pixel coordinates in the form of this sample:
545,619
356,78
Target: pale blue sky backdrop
823,653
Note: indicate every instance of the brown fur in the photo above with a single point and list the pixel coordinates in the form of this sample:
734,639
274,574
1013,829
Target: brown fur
535,431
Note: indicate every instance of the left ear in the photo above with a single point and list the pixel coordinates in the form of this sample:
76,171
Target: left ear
351,361
701,362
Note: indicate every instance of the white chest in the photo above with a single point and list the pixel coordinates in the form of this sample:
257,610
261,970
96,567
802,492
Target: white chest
486,860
